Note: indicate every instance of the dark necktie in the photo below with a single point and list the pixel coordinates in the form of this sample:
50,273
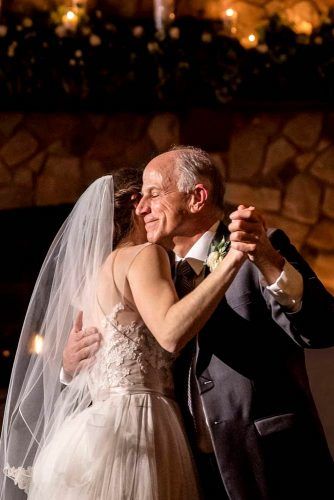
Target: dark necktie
184,284
184,278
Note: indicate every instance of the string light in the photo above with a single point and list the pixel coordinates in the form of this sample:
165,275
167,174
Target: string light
230,18
70,19
230,12
250,41
303,28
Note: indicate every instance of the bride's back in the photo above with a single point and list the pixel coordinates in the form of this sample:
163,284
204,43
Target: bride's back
113,286
130,356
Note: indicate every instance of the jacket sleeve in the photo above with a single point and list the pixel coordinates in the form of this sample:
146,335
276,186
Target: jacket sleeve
313,325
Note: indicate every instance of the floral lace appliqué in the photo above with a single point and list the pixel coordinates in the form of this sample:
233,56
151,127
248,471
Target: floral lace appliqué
20,476
130,354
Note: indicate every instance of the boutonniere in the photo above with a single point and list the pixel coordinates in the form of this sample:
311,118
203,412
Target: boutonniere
217,252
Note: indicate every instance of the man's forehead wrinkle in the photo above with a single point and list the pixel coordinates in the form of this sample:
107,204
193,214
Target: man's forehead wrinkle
160,175
152,179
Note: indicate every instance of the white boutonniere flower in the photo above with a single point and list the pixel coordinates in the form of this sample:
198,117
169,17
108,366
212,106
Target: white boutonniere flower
218,252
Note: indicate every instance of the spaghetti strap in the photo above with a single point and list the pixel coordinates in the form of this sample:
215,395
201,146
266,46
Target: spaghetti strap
119,264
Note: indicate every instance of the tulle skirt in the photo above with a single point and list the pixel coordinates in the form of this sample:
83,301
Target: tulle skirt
129,447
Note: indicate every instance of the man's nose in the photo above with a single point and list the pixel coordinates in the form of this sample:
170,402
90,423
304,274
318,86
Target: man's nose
142,207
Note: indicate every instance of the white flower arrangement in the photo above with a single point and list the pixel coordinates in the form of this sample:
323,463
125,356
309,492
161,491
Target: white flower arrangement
218,252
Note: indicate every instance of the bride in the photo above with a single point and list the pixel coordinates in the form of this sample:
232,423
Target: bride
115,431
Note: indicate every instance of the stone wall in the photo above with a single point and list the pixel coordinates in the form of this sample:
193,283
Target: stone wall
283,163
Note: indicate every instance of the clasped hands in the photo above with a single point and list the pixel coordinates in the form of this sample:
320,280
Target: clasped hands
248,232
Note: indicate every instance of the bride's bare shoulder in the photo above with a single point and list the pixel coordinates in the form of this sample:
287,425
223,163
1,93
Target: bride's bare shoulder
148,259
128,253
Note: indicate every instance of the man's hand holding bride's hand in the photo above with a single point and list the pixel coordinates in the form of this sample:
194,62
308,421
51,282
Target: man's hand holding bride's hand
249,235
81,347
248,231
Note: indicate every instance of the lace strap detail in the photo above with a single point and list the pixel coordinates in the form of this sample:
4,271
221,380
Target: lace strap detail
20,476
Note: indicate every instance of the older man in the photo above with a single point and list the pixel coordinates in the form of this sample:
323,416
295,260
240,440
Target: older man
242,384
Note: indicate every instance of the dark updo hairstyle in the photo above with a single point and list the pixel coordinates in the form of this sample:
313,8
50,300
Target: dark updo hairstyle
127,188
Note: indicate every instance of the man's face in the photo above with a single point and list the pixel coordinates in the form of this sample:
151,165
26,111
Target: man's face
162,206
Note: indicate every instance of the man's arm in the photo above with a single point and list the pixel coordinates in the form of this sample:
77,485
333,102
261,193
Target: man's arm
311,318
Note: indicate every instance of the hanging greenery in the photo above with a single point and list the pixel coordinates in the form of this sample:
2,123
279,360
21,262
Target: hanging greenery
97,63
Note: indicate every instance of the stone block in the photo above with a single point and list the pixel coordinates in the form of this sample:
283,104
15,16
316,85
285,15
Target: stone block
164,131
279,153
304,129
23,177
322,235
92,169
270,123
120,132
8,122
19,148
303,161
263,198
302,199
5,176
218,161
51,127
328,204
296,231
324,267
36,163
323,166
60,182
247,152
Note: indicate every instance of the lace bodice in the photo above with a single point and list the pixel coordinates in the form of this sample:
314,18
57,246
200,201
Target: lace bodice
130,357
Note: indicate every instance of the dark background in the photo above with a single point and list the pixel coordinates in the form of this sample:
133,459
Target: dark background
27,235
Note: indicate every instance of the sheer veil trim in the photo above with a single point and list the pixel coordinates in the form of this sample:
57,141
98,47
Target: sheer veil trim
37,404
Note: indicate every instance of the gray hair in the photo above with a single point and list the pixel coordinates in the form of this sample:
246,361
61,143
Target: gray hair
195,165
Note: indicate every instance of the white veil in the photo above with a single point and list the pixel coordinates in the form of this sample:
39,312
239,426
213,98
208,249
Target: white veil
37,403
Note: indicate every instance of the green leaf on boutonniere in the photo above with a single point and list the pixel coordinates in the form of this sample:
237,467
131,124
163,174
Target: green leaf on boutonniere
217,252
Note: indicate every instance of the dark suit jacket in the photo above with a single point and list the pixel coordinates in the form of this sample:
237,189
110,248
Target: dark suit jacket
252,379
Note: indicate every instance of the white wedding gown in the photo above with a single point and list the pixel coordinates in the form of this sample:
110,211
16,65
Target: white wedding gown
129,444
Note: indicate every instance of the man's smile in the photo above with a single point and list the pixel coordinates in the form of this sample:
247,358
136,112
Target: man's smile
147,222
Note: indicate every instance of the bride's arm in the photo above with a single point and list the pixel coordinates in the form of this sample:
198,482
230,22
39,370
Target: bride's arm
174,322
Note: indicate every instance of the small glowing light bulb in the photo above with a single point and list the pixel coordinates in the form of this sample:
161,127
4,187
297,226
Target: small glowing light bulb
70,15
230,12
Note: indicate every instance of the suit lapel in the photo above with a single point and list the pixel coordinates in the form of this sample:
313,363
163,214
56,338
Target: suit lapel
221,232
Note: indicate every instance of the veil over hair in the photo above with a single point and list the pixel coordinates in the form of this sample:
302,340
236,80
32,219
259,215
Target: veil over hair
37,403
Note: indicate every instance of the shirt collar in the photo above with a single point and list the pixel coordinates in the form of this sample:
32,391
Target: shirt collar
198,253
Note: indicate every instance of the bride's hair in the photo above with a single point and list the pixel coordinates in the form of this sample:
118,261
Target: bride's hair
127,188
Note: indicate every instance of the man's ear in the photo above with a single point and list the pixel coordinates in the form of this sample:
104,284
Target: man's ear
198,198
